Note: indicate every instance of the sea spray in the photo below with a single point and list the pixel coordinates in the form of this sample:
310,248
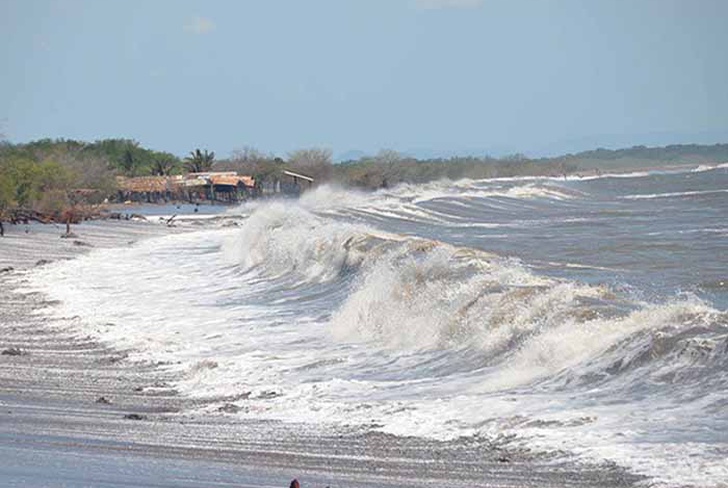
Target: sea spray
287,240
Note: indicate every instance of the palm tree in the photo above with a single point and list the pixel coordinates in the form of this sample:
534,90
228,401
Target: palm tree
199,161
129,163
163,166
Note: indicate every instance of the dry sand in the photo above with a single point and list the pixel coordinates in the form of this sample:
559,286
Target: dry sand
56,430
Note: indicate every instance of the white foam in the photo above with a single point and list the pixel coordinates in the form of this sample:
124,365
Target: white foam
709,167
653,196
290,240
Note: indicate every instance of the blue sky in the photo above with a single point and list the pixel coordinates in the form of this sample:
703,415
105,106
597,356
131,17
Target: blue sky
418,76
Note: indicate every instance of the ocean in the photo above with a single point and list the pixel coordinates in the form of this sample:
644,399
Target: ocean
582,317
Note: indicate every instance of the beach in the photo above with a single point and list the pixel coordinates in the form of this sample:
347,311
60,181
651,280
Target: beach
78,412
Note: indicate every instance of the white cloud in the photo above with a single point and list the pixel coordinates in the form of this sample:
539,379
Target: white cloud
445,4
200,25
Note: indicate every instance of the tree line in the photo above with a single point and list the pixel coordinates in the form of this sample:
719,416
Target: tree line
49,176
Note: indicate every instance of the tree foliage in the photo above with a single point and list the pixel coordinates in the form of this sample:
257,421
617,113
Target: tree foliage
38,186
46,175
164,164
199,161
123,157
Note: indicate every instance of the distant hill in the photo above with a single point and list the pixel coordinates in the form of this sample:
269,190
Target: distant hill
391,168
643,156
619,141
677,153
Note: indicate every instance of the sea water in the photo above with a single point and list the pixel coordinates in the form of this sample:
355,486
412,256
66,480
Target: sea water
580,316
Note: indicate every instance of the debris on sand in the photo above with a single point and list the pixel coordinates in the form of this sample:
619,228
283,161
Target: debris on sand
14,351
135,416
229,408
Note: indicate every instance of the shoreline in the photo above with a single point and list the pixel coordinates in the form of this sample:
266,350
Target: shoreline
51,414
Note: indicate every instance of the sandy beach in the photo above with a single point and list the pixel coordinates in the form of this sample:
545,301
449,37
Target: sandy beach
75,412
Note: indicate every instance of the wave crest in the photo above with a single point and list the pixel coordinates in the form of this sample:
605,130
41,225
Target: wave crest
427,295
281,240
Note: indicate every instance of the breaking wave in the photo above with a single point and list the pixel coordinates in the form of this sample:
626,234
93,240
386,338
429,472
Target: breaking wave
414,294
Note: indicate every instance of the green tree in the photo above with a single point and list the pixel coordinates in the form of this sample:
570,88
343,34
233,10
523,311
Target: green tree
199,161
126,156
7,197
164,164
129,163
29,185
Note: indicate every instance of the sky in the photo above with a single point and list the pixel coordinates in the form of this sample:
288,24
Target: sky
421,77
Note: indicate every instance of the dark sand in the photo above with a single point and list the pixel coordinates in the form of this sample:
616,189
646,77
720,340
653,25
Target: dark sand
55,432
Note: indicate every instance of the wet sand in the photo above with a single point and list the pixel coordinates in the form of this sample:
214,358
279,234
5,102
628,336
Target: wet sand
75,412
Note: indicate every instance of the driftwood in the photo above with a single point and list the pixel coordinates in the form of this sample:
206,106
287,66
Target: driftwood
25,216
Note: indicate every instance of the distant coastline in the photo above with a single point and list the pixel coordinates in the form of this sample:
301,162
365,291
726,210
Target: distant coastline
60,180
